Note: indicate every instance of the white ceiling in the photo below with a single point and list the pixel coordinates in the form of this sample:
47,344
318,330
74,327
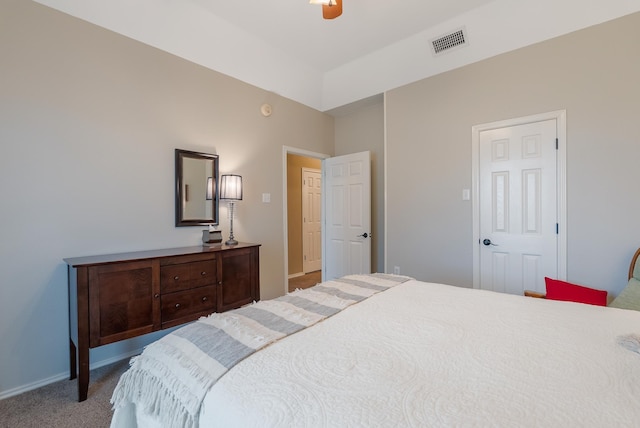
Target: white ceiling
285,47
298,29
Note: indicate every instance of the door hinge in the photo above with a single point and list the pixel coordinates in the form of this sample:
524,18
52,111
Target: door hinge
556,144
557,228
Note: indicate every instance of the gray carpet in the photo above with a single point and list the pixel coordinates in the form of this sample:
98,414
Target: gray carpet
56,405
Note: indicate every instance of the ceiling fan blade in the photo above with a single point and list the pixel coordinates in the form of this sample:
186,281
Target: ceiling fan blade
332,11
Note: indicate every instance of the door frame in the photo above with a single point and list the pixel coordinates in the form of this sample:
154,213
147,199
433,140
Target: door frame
285,197
561,183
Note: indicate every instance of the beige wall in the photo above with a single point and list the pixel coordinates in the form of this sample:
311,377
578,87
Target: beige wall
593,74
295,163
89,121
358,131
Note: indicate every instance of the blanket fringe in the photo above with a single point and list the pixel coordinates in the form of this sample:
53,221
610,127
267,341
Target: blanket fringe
154,396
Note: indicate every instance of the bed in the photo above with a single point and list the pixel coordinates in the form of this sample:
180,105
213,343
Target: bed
395,351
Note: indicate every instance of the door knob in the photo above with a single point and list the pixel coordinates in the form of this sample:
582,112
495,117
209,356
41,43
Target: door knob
488,242
364,235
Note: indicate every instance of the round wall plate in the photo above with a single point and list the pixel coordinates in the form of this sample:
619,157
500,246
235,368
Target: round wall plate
265,109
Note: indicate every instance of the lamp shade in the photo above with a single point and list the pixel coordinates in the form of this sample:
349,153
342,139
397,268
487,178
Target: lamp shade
231,187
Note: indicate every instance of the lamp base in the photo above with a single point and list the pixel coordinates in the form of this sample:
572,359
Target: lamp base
231,242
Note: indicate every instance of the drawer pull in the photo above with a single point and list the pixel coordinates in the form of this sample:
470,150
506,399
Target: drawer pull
203,273
204,299
176,278
177,305
155,296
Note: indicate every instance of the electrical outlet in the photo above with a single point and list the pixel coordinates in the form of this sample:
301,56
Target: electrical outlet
396,270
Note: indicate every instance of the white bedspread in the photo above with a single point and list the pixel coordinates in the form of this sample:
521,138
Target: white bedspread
167,383
431,355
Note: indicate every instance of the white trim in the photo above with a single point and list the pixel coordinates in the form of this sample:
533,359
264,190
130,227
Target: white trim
65,375
301,152
561,166
34,385
384,183
562,193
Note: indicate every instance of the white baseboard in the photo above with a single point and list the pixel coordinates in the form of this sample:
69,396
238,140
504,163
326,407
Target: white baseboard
34,385
65,375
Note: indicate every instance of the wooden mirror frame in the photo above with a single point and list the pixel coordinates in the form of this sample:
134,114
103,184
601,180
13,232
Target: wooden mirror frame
209,215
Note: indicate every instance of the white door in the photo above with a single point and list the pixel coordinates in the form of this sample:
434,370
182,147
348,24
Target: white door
518,239
311,220
347,215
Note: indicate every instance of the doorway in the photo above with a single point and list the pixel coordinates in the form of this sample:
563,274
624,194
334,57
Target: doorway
294,162
519,203
346,212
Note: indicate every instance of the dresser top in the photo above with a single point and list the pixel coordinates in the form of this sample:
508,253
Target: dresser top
151,254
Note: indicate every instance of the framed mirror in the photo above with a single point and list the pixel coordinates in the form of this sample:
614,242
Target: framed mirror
196,188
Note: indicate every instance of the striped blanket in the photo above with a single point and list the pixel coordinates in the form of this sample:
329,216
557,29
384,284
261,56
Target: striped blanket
170,378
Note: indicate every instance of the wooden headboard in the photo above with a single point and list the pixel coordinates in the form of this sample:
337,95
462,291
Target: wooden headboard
633,263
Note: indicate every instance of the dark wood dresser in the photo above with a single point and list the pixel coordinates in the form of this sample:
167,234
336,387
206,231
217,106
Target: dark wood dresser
115,297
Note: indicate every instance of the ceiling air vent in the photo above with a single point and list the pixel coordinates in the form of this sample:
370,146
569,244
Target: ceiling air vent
449,41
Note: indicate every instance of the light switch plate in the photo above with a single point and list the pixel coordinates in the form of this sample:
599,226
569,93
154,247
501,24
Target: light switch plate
266,198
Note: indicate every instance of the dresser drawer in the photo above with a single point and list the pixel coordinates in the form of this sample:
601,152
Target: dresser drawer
185,276
183,306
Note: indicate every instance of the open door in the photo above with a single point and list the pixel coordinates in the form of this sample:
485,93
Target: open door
346,193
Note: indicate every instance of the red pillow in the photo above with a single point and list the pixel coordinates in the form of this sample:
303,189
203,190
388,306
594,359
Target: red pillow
561,290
